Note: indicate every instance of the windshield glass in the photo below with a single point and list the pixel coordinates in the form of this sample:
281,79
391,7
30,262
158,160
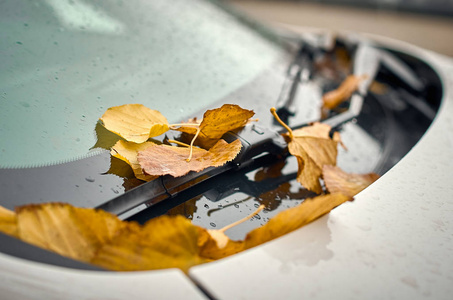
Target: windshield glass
65,62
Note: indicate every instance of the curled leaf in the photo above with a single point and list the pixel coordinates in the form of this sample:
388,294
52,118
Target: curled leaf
127,151
67,230
313,149
135,122
293,218
164,242
8,222
334,98
160,160
216,122
338,181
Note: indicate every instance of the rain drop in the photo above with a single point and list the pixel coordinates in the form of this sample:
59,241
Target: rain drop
90,179
206,206
212,224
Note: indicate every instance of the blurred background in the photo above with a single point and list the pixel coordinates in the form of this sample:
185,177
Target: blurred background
425,23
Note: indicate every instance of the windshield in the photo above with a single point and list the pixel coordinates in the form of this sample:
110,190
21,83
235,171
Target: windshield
65,62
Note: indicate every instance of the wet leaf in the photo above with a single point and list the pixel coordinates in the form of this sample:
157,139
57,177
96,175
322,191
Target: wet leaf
217,122
313,149
8,221
127,152
162,159
334,98
66,230
294,218
338,181
163,242
135,122
216,246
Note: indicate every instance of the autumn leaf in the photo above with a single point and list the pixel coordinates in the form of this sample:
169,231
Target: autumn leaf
102,239
217,122
8,222
163,159
217,246
135,122
313,148
338,181
163,242
294,218
334,98
127,151
65,229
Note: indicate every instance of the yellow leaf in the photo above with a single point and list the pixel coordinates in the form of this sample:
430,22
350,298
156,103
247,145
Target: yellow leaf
217,122
163,242
293,218
338,181
162,159
8,222
334,98
313,149
127,151
135,122
66,230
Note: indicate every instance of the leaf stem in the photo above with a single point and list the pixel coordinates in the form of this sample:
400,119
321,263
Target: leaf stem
274,113
178,143
191,144
257,211
184,124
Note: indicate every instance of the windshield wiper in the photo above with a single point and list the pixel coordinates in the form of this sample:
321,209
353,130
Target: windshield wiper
256,140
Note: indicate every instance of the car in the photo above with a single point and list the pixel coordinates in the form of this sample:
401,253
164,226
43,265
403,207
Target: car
65,63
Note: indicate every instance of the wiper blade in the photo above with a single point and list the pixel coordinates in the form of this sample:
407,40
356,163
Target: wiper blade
255,141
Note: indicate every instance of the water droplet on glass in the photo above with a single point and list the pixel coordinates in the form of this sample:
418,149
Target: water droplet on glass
212,224
90,179
258,217
256,205
198,217
206,206
115,191
236,205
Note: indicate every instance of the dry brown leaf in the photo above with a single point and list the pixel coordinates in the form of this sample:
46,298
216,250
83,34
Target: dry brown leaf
293,218
135,122
313,149
163,242
338,181
8,221
162,159
67,230
216,122
127,151
216,246
334,98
